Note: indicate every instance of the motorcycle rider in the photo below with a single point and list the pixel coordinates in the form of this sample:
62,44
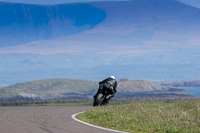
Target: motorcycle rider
110,84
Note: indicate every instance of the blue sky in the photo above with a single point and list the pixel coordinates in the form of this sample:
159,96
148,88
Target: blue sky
145,39
53,1
195,3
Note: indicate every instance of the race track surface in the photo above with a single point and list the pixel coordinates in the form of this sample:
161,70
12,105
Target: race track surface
49,119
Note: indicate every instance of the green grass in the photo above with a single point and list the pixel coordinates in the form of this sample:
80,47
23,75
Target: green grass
174,116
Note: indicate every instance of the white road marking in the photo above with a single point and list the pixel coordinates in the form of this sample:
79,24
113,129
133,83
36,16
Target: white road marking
74,117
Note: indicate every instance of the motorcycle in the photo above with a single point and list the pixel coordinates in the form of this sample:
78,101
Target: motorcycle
100,97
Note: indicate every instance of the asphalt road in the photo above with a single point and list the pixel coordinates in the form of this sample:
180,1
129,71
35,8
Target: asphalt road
49,119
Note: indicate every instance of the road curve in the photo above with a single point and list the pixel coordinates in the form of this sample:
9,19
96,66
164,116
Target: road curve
44,119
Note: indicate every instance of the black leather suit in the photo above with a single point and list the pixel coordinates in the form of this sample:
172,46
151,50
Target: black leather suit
110,85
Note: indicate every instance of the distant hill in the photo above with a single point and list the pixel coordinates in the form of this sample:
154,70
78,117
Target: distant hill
139,85
68,89
182,84
141,89
47,89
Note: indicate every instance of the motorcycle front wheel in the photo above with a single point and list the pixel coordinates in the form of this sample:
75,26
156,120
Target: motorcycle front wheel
98,99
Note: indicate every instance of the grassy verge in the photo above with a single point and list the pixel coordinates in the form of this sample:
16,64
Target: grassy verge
177,116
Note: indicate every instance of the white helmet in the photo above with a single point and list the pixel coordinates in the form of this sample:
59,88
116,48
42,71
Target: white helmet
112,77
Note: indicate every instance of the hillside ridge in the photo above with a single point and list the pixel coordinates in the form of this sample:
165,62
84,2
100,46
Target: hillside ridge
75,89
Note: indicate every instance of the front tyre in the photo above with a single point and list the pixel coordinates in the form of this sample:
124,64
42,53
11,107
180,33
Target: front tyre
98,99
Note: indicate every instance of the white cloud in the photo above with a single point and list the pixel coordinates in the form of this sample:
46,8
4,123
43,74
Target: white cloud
194,3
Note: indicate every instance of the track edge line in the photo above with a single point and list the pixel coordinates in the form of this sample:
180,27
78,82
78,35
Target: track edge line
83,122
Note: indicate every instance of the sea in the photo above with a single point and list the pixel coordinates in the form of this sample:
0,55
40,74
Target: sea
193,91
